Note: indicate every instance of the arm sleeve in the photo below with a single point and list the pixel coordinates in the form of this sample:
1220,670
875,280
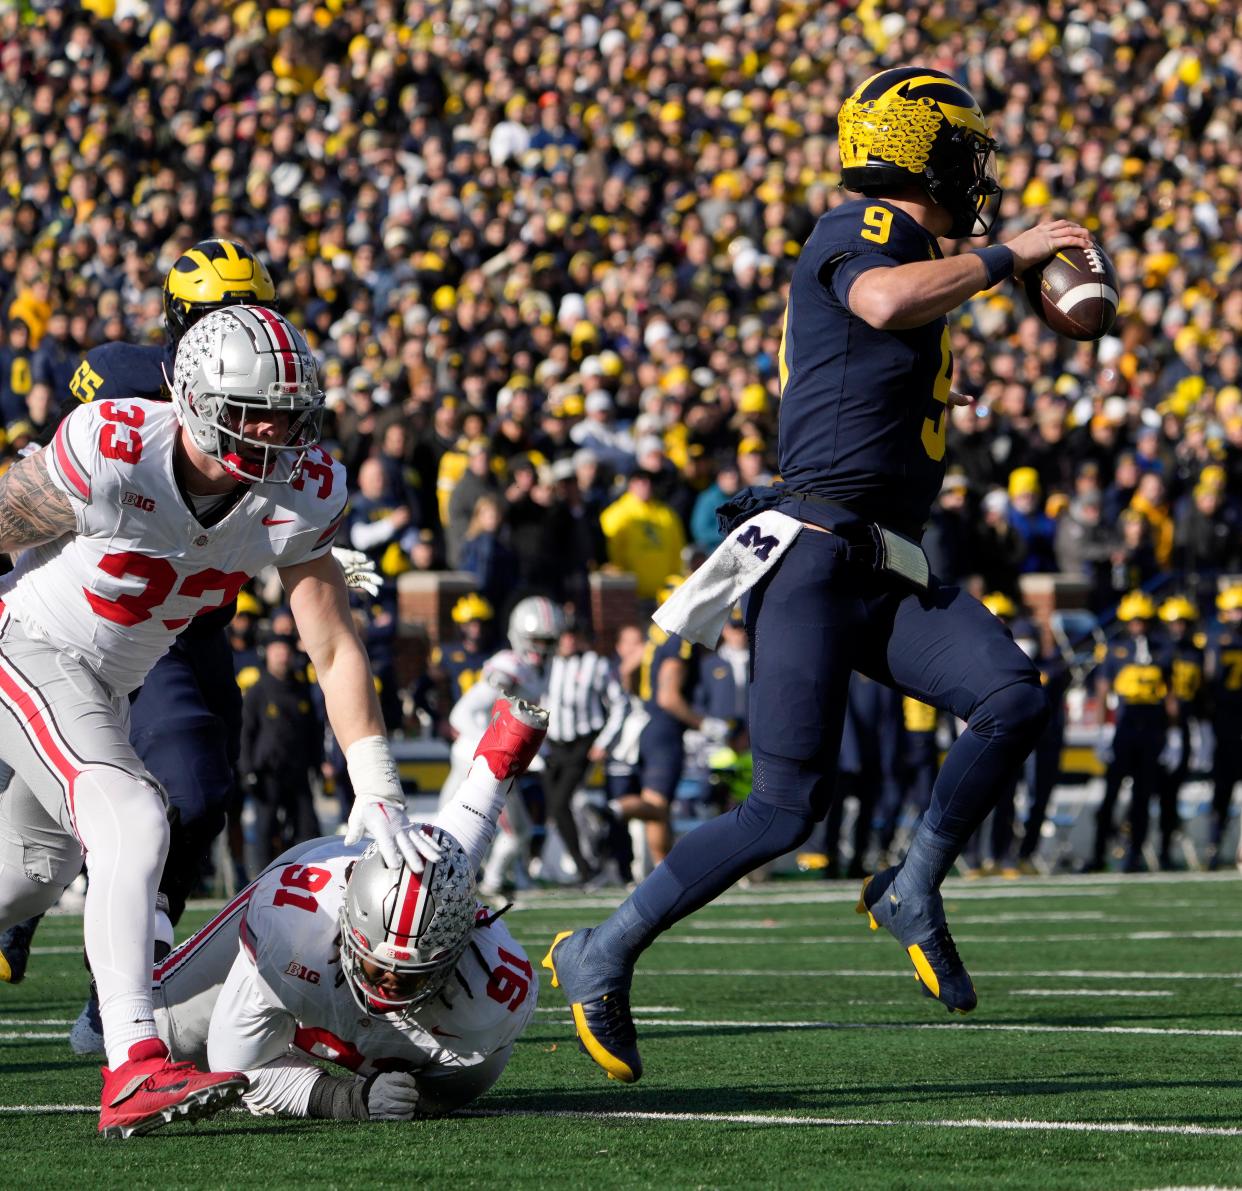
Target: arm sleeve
472,708
284,1087
365,534
840,274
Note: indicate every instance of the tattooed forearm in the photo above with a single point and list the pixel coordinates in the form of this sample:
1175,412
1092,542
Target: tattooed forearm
32,509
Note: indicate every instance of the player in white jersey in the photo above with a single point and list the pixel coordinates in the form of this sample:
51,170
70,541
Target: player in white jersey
403,979
134,519
504,673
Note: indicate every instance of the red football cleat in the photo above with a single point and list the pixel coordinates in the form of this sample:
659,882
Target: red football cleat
150,1090
513,737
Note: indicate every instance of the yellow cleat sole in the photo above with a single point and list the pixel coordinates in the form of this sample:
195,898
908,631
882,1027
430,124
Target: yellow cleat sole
613,1067
6,973
861,908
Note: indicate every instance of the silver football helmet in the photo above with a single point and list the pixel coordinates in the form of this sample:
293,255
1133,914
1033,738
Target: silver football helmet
236,367
535,625
402,933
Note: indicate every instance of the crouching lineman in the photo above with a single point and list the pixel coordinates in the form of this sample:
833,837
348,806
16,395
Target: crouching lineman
396,975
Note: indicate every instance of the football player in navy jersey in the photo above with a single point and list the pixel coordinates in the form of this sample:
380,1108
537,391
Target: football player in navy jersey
866,370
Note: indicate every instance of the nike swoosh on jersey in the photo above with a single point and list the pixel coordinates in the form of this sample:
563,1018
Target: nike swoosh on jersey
276,520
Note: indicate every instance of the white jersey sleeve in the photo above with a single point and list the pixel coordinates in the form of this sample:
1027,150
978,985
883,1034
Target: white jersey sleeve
70,460
470,716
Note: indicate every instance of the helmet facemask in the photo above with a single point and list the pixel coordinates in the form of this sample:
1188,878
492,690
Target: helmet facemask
249,458
961,177
240,366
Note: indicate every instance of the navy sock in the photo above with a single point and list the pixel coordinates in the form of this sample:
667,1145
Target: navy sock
926,865
701,866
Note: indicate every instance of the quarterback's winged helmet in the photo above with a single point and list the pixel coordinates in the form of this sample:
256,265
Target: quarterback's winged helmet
402,932
915,124
210,275
237,367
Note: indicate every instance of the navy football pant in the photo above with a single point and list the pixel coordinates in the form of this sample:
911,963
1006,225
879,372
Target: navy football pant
812,620
185,724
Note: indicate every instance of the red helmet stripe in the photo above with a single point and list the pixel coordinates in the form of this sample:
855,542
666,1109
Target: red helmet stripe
413,904
284,345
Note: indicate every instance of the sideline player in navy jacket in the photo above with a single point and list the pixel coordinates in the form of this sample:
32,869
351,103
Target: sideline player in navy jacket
866,370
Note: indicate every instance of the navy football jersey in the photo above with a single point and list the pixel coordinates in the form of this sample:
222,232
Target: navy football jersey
121,370
1139,677
1224,664
863,412
662,647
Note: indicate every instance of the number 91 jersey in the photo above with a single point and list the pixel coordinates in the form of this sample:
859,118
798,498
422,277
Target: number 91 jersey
290,933
863,411
140,566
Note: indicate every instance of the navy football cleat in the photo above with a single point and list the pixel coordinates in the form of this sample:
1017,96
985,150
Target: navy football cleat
602,1019
921,929
15,950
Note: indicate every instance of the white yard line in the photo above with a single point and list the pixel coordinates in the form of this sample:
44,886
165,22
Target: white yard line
1089,992
858,937
31,1036
958,920
990,1027
740,1118
6,1022
993,974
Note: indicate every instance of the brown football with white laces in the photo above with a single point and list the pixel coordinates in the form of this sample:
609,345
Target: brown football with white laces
1075,292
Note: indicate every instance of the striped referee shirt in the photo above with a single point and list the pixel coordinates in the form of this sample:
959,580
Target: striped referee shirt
583,698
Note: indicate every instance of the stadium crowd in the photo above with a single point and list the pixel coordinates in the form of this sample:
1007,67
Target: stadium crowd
542,249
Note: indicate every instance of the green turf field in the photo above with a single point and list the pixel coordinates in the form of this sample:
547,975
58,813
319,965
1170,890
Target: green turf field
786,1046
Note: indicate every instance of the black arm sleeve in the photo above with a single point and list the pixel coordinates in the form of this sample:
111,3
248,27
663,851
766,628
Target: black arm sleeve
333,1098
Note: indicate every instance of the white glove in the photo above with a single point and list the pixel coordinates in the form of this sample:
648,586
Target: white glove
379,807
1171,755
714,729
391,1096
396,837
359,570
1104,744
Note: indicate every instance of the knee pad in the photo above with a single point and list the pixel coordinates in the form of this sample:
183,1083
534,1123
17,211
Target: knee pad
1017,713
114,809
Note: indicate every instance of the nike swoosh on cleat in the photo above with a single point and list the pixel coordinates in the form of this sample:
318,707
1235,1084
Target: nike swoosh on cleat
277,520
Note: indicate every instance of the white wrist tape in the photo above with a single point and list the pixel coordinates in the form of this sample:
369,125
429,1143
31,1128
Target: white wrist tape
372,771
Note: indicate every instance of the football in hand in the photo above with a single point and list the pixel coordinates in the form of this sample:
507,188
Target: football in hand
1075,292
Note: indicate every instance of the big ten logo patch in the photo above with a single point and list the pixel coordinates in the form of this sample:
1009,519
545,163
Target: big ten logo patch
302,972
138,501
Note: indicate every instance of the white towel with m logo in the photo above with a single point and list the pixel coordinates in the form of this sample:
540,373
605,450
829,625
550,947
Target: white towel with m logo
698,609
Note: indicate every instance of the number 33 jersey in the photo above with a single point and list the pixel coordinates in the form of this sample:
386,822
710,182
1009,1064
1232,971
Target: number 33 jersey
290,952
140,565
863,412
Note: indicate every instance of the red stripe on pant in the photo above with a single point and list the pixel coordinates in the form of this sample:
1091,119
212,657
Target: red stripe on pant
40,732
178,955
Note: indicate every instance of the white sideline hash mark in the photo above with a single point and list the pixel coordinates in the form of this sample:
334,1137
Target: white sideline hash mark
739,1118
